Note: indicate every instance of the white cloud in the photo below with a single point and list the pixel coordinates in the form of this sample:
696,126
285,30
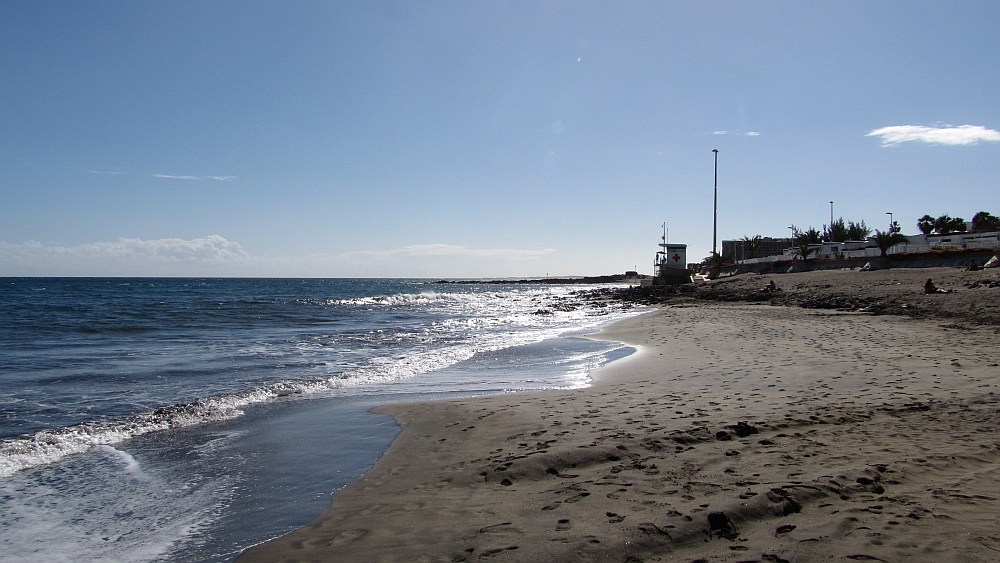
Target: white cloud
173,177
737,132
451,250
215,256
950,135
211,255
437,260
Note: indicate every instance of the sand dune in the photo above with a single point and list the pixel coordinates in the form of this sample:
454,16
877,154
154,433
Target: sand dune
737,432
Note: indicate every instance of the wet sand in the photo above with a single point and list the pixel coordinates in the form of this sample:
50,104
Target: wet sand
737,432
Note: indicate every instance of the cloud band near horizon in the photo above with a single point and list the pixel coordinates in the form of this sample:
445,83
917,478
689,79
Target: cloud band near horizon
950,135
452,250
186,177
214,255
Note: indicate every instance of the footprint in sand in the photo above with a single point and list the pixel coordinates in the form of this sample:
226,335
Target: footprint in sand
784,529
616,495
563,525
348,536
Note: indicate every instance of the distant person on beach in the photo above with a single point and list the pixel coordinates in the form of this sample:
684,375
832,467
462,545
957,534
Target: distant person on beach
929,287
972,266
769,288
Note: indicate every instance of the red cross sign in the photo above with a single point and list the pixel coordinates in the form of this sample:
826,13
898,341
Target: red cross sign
677,257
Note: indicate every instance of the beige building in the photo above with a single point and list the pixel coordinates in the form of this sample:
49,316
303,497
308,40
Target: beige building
768,247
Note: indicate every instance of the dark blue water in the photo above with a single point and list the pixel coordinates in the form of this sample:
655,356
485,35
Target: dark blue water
186,419
78,348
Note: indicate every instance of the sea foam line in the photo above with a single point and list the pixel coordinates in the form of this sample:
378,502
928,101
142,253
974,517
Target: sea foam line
51,445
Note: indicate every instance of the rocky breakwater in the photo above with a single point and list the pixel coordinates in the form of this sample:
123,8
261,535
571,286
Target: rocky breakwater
975,296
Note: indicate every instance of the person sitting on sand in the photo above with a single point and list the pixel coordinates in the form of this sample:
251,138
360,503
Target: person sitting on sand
929,288
769,288
973,267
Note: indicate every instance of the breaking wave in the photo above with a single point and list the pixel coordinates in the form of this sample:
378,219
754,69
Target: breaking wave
466,324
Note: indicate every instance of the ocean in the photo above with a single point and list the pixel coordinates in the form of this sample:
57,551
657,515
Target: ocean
176,420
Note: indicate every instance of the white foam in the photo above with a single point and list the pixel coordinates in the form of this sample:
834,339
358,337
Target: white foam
51,517
50,445
129,463
475,322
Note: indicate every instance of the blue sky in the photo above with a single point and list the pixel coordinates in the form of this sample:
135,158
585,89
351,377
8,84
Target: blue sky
476,139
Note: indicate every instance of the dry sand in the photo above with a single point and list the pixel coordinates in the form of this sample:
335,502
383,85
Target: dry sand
867,438
898,291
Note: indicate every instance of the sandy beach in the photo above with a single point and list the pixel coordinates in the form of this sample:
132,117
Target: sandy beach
738,431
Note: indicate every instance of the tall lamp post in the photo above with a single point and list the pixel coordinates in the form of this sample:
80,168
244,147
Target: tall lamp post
715,205
831,215
889,213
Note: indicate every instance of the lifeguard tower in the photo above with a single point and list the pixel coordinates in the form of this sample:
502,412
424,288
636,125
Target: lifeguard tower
670,265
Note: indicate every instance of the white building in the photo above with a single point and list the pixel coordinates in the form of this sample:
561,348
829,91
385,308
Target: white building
851,249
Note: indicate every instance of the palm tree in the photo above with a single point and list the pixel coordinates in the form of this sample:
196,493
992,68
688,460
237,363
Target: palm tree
858,231
888,239
751,244
983,222
926,224
836,232
804,240
945,225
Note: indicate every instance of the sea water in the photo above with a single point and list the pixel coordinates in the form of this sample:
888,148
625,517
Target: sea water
188,419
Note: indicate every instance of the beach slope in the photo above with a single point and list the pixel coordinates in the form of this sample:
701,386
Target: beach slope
737,432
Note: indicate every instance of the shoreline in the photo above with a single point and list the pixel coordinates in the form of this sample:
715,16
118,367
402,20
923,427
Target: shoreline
735,432
897,291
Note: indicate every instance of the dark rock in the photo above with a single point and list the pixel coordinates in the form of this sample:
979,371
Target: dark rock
721,525
788,504
743,429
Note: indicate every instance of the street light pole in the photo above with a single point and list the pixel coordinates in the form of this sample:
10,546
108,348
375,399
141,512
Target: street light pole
889,213
831,215
715,205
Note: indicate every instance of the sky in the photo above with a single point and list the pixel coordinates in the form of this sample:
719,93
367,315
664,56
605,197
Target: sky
476,139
